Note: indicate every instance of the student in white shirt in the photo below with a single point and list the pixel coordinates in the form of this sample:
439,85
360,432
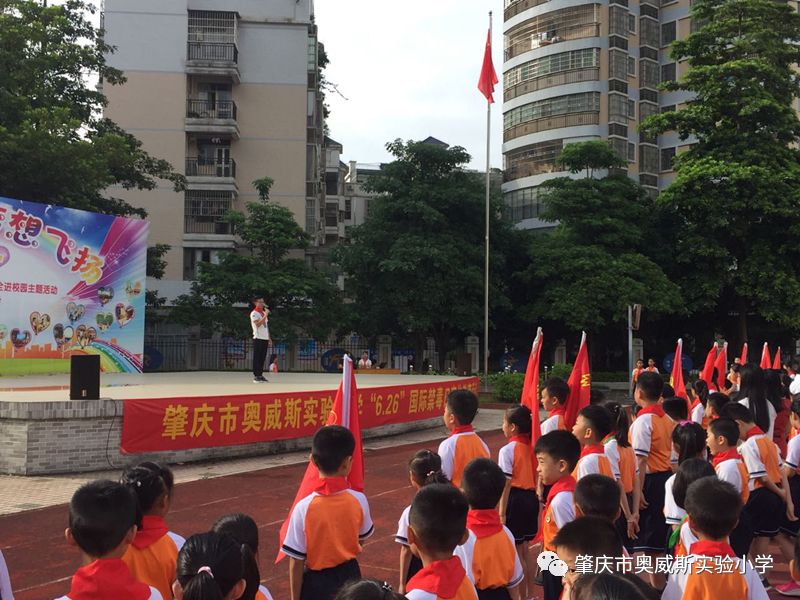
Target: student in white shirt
259,321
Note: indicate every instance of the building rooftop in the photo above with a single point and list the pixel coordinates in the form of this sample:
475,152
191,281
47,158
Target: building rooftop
435,142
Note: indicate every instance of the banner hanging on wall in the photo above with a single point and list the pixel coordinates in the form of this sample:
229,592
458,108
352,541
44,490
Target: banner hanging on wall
71,282
206,422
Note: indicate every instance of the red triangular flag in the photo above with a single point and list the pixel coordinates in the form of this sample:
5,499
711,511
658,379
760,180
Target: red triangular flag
580,385
743,357
776,364
766,361
530,392
721,365
488,77
707,373
676,378
343,412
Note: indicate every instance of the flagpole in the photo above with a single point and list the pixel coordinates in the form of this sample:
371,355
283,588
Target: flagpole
486,266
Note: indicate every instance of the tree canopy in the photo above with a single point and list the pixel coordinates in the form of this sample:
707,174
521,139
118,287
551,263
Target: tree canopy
737,189
55,146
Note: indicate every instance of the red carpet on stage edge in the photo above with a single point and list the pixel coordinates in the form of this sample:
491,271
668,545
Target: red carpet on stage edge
41,563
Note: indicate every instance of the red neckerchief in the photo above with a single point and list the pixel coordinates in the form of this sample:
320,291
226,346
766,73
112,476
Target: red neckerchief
695,404
484,522
592,449
107,579
153,529
654,409
706,548
328,486
462,429
260,311
559,410
607,439
729,454
441,577
565,484
753,431
521,439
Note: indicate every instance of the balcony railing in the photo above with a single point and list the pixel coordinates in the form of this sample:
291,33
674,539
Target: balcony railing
546,81
207,109
530,168
215,52
520,5
531,41
203,167
206,224
555,122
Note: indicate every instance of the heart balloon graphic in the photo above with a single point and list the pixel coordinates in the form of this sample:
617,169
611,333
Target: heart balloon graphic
39,322
133,289
80,335
20,339
90,335
105,294
75,311
124,314
104,321
58,334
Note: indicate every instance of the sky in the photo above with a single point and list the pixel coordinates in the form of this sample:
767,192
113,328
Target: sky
409,69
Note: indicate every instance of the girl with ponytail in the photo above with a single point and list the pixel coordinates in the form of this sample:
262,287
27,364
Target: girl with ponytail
424,468
244,530
210,567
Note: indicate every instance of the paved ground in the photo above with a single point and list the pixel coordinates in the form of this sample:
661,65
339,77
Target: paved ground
41,563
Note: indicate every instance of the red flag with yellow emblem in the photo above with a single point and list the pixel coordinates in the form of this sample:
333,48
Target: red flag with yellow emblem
344,412
580,385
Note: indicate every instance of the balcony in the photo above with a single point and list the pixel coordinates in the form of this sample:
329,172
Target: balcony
519,6
209,174
213,58
555,122
207,116
552,80
205,225
204,214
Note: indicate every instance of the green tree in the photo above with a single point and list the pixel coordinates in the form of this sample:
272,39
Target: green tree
304,301
415,268
156,267
595,262
737,189
55,146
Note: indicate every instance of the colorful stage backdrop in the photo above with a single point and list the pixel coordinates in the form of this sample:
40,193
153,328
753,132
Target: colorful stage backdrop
71,282
203,422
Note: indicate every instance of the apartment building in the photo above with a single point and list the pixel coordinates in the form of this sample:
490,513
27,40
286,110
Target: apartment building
577,70
227,92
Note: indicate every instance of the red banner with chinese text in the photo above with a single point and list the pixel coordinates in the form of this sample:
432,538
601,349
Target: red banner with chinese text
165,424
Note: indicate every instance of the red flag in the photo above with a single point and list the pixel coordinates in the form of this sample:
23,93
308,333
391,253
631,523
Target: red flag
776,364
721,365
708,368
743,357
344,412
676,378
766,361
580,385
530,388
488,77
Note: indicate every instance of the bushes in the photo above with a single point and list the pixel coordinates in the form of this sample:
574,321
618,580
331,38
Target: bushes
507,387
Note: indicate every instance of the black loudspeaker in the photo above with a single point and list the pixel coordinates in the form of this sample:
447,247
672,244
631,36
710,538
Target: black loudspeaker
84,377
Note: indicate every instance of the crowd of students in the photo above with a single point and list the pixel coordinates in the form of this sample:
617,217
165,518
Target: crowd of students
699,487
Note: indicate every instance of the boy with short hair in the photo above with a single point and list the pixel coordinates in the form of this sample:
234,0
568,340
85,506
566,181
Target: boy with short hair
592,425
595,496
769,489
713,507
326,527
437,523
102,524
496,567
555,394
463,444
557,454
651,438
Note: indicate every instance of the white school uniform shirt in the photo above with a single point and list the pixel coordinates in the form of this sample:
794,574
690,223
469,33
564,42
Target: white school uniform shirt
550,424
752,459
265,591
698,412
678,578
728,471
5,580
401,537
794,387
611,449
792,454
770,411
260,332
469,557
673,514
447,452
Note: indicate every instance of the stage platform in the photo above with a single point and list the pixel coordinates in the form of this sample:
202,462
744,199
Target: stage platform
43,432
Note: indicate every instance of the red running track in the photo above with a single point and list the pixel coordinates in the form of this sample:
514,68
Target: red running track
41,563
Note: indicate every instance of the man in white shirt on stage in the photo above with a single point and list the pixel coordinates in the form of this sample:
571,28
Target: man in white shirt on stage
365,362
259,320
